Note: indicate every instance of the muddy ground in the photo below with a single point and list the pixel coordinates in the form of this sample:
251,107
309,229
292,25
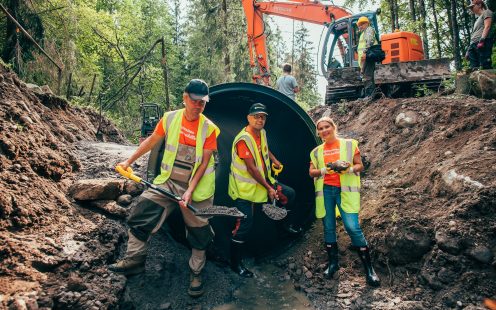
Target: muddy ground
428,212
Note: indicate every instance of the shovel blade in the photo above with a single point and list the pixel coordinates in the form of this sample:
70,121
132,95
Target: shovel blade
219,211
273,212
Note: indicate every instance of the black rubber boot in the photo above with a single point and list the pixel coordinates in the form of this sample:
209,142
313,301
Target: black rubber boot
332,252
371,276
236,261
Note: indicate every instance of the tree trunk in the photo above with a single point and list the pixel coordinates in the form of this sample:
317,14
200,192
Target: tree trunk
456,37
412,10
9,49
436,28
392,9
396,15
227,60
425,39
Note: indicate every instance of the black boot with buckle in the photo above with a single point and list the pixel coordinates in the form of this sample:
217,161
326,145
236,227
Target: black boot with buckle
371,276
332,252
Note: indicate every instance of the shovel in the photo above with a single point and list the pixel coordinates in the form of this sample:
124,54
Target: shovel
270,209
205,212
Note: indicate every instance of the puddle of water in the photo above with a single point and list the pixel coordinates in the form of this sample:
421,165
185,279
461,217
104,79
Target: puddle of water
267,291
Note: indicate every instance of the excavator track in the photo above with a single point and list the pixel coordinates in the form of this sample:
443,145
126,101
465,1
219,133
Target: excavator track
403,79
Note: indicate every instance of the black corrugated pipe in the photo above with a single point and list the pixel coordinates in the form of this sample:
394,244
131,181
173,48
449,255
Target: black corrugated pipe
291,137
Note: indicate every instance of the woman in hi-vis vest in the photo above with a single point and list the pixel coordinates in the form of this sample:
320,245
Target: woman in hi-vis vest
339,190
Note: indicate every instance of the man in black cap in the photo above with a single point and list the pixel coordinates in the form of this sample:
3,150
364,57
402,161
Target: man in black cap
187,170
251,181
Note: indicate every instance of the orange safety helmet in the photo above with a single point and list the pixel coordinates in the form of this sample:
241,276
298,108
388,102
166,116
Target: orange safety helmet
363,20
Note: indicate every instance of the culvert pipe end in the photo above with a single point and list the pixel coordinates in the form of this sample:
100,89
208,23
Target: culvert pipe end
291,136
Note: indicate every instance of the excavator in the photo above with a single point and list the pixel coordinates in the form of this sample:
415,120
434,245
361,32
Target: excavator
404,69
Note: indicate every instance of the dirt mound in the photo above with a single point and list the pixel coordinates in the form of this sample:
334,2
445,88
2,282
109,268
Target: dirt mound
428,201
43,238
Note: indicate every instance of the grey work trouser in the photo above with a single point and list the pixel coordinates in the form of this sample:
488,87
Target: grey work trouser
368,77
151,211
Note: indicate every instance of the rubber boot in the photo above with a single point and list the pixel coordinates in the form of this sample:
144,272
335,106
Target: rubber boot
129,265
196,284
371,276
236,261
332,252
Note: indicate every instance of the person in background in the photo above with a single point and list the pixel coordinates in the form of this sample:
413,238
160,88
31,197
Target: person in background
287,84
187,170
341,190
367,66
481,40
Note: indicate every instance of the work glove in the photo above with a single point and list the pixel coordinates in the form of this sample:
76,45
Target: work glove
480,44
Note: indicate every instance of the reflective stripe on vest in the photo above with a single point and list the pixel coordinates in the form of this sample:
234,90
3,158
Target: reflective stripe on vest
172,127
241,183
362,43
350,183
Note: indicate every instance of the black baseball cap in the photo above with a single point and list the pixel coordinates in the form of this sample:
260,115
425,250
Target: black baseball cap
257,108
197,90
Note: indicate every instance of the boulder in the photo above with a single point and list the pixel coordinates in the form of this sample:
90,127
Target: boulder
481,254
125,200
96,189
406,119
408,244
110,207
483,83
132,188
448,244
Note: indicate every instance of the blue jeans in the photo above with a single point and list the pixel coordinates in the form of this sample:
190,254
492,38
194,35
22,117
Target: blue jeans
332,198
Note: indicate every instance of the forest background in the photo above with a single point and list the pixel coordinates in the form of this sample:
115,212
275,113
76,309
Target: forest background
110,51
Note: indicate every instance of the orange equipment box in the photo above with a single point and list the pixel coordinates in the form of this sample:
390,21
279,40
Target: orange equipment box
402,46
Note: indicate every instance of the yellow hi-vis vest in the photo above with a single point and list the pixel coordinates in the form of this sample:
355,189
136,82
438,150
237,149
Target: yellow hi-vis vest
362,42
172,127
350,183
241,183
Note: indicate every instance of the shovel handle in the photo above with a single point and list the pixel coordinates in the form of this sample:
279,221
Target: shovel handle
128,173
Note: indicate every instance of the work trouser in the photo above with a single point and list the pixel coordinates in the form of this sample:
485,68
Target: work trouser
481,57
332,199
244,225
153,208
368,77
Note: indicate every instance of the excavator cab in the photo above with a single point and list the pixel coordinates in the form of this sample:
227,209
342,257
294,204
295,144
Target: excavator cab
341,42
150,115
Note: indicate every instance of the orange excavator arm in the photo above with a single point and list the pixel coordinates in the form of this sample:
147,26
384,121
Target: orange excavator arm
304,10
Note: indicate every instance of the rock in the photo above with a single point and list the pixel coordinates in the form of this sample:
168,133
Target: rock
125,200
109,206
18,304
448,153
165,306
132,188
406,119
408,244
483,83
308,274
447,244
481,254
46,89
446,276
96,189
292,266
35,88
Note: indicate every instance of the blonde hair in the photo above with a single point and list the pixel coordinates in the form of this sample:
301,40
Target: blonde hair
328,120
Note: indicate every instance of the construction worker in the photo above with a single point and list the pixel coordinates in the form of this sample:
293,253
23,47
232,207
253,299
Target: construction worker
341,190
367,66
481,40
251,181
187,170
287,84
